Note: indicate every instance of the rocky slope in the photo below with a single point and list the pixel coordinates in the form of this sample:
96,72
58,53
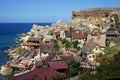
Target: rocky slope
101,17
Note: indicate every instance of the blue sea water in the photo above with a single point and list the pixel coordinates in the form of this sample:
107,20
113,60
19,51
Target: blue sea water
8,33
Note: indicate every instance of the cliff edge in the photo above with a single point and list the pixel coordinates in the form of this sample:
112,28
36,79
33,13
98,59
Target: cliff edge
96,16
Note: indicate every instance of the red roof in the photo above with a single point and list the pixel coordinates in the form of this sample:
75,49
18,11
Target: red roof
77,34
82,35
58,65
37,74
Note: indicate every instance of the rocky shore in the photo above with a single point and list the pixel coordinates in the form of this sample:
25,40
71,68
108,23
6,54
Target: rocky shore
36,32
40,45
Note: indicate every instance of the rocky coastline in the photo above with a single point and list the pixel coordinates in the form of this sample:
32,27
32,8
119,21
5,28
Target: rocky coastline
98,20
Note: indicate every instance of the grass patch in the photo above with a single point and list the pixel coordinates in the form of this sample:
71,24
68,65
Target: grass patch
20,51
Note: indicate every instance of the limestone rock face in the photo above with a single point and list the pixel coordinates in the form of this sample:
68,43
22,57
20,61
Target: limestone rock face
101,17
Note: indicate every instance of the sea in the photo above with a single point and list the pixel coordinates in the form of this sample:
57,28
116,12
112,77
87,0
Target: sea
8,34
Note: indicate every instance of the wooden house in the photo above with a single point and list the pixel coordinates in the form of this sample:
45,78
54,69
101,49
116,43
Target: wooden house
91,50
111,33
58,65
68,35
78,35
33,42
46,46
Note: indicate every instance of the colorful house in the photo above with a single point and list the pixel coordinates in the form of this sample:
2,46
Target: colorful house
32,42
78,35
68,35
62,34
46,46
91,50
111,33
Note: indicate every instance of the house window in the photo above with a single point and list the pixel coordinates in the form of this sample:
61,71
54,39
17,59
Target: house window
47,41
93,56
89,56
96,48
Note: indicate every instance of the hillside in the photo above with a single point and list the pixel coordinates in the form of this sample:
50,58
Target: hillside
101,17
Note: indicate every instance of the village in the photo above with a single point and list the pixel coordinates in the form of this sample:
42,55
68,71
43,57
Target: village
61,50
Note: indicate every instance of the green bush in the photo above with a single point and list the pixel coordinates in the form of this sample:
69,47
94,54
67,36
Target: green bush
66,43
73,67
56,45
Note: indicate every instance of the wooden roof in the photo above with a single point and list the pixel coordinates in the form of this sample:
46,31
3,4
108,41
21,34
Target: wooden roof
112,31
77,34
37,74
89,46
34,39
58,65
68,34
46,48
66,57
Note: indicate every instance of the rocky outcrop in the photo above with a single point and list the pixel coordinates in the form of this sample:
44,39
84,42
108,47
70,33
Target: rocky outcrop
38,30
5,70
101,17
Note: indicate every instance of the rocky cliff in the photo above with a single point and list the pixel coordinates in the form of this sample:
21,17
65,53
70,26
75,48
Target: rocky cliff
97,16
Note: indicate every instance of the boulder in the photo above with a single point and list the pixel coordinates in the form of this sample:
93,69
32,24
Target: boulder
5,70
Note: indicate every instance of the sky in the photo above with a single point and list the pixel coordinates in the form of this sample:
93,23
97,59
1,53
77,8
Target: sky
27,11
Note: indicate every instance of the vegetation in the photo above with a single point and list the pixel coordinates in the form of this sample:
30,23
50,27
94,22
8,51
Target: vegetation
86,75
111,70
71,28
110,51
59,77
50,33
66,43
38,29
73,67
20,51
104,71
75,44
56,45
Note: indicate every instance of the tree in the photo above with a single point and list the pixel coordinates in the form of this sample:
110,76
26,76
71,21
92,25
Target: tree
75,44
87,75
56,45
111,70
73,67
66,43
71,28
117,57
57,34
50,33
